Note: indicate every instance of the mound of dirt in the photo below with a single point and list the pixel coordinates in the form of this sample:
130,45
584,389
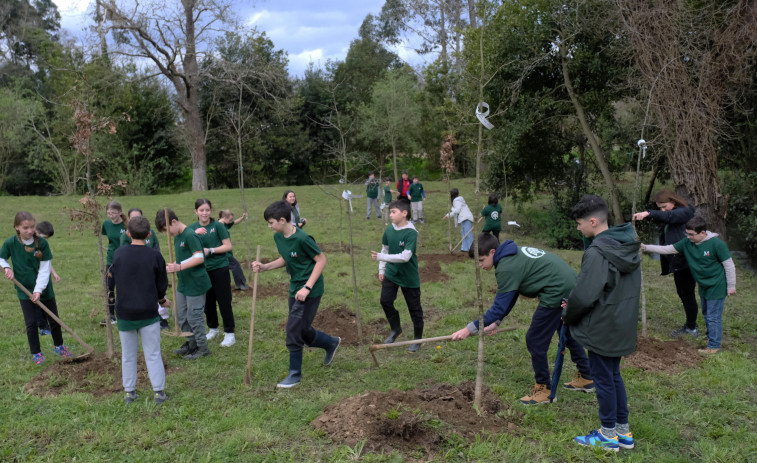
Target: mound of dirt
96,375
341,321
279,291
416,419
430,268
655,355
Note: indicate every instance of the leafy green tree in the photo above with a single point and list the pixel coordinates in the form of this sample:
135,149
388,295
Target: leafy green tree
389,121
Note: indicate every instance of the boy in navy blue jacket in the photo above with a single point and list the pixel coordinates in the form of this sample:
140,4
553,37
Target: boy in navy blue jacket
534,273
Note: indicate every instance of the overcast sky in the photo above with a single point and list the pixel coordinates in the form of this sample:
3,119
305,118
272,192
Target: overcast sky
308,30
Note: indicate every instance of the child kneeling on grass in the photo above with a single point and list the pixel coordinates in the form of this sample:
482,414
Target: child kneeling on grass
193,283
31,258
304,262
602,313
398,268
140,275
712,267
533,273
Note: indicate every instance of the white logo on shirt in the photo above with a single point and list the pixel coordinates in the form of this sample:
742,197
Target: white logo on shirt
495,215
533,253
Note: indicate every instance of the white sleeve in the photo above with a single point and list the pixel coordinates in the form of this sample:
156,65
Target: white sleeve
382,263
669,249
402,257
197,255
43,276
4,263
730,273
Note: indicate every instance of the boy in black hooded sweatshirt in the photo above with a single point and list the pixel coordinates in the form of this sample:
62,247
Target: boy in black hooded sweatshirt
602,314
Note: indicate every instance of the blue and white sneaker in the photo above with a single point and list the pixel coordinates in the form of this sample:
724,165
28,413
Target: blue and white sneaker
597,439
625,441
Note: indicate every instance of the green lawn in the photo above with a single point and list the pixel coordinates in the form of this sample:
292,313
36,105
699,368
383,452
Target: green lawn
706,413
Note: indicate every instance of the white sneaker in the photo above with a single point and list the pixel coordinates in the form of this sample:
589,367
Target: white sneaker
228,340
212,333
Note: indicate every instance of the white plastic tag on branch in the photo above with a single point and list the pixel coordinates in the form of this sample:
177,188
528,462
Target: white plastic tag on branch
347,195
482,116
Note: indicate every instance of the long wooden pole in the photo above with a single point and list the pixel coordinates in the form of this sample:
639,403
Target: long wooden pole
247,378
177,331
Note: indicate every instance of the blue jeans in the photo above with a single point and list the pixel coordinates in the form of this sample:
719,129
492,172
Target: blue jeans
545,322
465,227
712,309
611,392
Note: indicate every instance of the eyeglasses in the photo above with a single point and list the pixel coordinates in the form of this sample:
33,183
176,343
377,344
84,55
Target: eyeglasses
691,233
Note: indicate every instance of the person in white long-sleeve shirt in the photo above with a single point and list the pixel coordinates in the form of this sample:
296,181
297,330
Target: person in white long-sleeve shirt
710,262
31,258
462,216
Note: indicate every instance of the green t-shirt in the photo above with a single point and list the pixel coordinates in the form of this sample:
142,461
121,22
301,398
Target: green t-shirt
298,252
113,232
25,261
415,192
131,325
402,274
215,233
150,242
193,281
536,273
493,216
387,194
228,229
372,188
706,264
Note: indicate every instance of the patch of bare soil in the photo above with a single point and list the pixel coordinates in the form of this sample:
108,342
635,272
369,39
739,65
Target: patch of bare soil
96,375
280,291
655,355
430,268
416,419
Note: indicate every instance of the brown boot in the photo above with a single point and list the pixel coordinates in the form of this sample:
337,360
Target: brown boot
539,395
580,383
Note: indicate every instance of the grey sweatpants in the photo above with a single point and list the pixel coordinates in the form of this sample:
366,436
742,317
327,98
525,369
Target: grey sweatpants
150,335
190,310
373,203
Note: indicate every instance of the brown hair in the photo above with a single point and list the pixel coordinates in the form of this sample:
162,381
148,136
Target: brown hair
668,196
115,205
23,216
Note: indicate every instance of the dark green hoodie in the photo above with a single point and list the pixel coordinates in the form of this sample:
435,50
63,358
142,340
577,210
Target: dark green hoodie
603,309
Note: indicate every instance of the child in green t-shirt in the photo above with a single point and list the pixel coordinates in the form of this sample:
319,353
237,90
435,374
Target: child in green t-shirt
45,230
371,194
226,217
216,243
493,214
387,199
113,227
304,262
712,267
417,196
398,268
152,239
31,258
193,283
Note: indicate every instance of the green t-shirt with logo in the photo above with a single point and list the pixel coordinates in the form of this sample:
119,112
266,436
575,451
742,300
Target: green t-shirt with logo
25,261
151,241
493,216
228,229
215,233
299,251
113,231
404,274
372,188
415,192
706,264
387,194
193,281
536,273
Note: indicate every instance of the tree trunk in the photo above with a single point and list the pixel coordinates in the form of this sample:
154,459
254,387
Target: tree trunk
472,13
599,154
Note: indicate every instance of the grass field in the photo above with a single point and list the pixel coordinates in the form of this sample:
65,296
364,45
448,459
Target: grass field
706,412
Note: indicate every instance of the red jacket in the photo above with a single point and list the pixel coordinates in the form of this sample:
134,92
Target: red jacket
402,186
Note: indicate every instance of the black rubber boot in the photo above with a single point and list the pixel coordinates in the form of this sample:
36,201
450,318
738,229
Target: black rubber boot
199,352
396,330
328,343
295,370
186,348
417,334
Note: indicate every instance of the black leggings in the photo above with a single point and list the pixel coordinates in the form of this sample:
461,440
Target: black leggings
685,287
412,299
220,292
30,318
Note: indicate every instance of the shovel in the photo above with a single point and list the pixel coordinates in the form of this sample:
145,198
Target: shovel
375,347
89,348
